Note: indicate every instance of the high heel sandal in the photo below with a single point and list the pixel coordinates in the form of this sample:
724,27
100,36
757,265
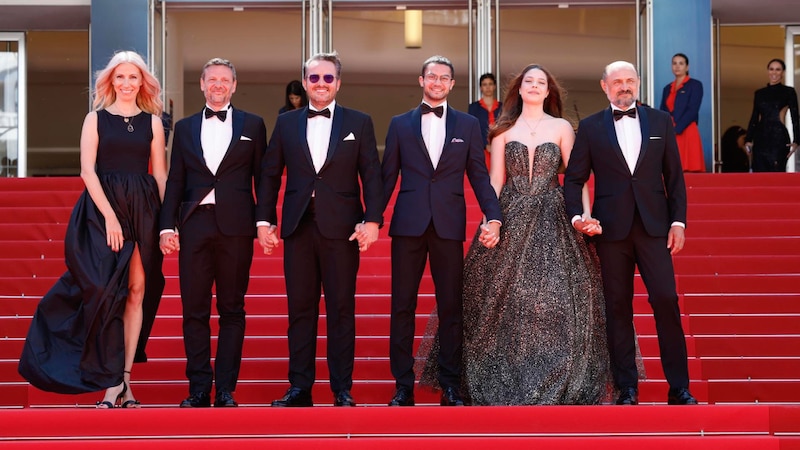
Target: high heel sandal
107,404
129,403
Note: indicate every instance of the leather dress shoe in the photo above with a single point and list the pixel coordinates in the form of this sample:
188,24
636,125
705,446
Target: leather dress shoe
628,396
402,397
451,397
224,399
294,397
197,400
343,398
680,396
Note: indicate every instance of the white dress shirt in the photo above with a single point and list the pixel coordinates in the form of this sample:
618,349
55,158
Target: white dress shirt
629,136
215,138
433,130
318,136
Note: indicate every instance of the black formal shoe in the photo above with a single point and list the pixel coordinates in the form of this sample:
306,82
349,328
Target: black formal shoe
451,397
402,397
628,396
294,397
197,400
224,399
680,396
343,398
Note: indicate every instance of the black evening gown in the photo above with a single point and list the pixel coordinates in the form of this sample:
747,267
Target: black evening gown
767,131
75,342
534,322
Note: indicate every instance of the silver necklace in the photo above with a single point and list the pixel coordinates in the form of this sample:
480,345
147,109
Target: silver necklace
533,130
129,121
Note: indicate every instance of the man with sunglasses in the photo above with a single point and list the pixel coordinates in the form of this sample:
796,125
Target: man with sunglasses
326,150
432,147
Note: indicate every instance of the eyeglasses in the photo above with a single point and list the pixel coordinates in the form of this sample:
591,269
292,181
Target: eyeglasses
314,78
431,77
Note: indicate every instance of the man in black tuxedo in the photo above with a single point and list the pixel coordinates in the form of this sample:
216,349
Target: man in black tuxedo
216,158
325,149
432,147
640,201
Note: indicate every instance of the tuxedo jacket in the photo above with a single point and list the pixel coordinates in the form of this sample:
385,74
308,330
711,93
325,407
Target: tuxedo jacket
190,180
352,154
687,104
427,194
656,188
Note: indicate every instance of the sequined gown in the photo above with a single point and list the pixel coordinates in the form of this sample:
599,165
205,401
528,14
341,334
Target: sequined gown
534,324
75,342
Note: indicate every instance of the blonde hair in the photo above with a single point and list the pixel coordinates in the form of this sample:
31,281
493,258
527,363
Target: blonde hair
149,97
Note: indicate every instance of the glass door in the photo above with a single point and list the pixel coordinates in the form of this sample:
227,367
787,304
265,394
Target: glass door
792,78
12,105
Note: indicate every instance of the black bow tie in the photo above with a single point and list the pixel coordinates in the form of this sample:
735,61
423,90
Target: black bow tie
325,113
221,114
620,114
426,108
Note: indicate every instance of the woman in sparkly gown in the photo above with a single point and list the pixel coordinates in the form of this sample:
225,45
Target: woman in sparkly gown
534,324
93,323
767,136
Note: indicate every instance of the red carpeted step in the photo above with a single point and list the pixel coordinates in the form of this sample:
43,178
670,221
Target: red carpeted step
750,368
741,194
742,304
745,324
735,211
749,283
766,346
742,227
57,198
34,214
735,264
743,247
757,391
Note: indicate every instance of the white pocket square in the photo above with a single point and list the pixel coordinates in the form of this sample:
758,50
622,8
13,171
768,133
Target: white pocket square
350,137
457,140
655,138
245,138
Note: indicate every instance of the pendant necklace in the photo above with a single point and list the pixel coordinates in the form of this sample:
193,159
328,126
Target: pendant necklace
129,121
533,130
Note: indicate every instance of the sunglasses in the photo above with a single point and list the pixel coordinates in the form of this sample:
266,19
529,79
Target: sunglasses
314,78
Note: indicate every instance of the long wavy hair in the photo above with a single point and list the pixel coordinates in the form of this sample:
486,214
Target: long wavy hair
149,97
512,104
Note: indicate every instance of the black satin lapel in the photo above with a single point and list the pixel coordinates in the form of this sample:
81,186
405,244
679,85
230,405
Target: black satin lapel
644,124
608,122
336,131
197,125
238,127
302,130
416,125
449,130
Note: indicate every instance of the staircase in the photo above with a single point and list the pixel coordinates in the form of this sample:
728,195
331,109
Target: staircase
738,281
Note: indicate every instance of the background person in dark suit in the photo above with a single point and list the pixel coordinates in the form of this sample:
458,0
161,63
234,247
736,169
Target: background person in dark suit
216,158
325,149
432,147
640,201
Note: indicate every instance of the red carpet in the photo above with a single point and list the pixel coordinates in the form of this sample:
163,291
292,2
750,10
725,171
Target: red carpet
737,277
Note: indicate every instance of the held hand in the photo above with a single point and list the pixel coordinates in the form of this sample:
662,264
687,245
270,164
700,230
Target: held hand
114,237
366,234
589,226
169,242
675,239
268,238
490,234
792,149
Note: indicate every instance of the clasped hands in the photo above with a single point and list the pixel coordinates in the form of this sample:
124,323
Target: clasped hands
365,233
169,242
490,234
588,225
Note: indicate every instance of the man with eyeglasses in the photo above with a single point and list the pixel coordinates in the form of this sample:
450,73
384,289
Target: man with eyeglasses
431,147
326,149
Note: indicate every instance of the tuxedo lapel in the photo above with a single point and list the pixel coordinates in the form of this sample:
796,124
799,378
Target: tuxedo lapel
449,131
336,131
302,133
238,127
644,124
197,145
416,125
608,124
